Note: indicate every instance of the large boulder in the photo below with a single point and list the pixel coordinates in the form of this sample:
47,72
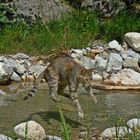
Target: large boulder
34,131
46,9
126,77
114,63
5,73
132,39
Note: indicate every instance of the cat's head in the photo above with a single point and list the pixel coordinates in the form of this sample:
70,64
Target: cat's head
85,77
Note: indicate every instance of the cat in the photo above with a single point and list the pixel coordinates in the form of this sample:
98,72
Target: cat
64,71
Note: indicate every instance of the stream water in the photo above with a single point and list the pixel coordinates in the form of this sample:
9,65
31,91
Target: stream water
111,105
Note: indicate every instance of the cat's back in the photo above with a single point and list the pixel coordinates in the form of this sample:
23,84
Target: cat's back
63,63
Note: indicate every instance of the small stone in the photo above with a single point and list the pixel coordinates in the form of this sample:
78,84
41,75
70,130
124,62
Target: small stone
83,134
97,77
115,45
15,77
49,137
2,92
77,51
105,75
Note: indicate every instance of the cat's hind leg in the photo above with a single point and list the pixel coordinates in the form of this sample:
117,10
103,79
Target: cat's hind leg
53,87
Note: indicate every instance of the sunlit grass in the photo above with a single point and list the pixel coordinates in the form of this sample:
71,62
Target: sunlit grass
72,31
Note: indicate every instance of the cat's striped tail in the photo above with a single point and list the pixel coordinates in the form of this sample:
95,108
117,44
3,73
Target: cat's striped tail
33,91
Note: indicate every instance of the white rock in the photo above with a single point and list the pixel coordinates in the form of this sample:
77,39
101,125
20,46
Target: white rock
134,123
87,62
96,77
5,73
16,66
130,53
3,137
15,77
115,62
100,63
21,56
115,45
77,51
105,75
88,48
131,63
2,92
83,60
76,56
125,77
49,137
132,39
34,131
36,69
111,132
85,51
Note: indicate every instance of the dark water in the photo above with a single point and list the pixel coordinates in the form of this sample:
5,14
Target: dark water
111,105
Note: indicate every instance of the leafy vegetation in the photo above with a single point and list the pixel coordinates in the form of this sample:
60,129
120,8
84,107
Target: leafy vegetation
65,127
75,30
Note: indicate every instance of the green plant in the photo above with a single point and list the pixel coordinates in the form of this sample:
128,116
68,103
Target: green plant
65,128
75,30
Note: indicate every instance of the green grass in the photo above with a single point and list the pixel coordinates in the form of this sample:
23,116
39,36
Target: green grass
65,128
72,31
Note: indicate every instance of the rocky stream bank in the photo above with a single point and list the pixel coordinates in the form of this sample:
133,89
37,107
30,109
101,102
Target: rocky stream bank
115,66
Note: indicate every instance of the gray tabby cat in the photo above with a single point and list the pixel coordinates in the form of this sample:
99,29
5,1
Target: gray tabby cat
64,71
